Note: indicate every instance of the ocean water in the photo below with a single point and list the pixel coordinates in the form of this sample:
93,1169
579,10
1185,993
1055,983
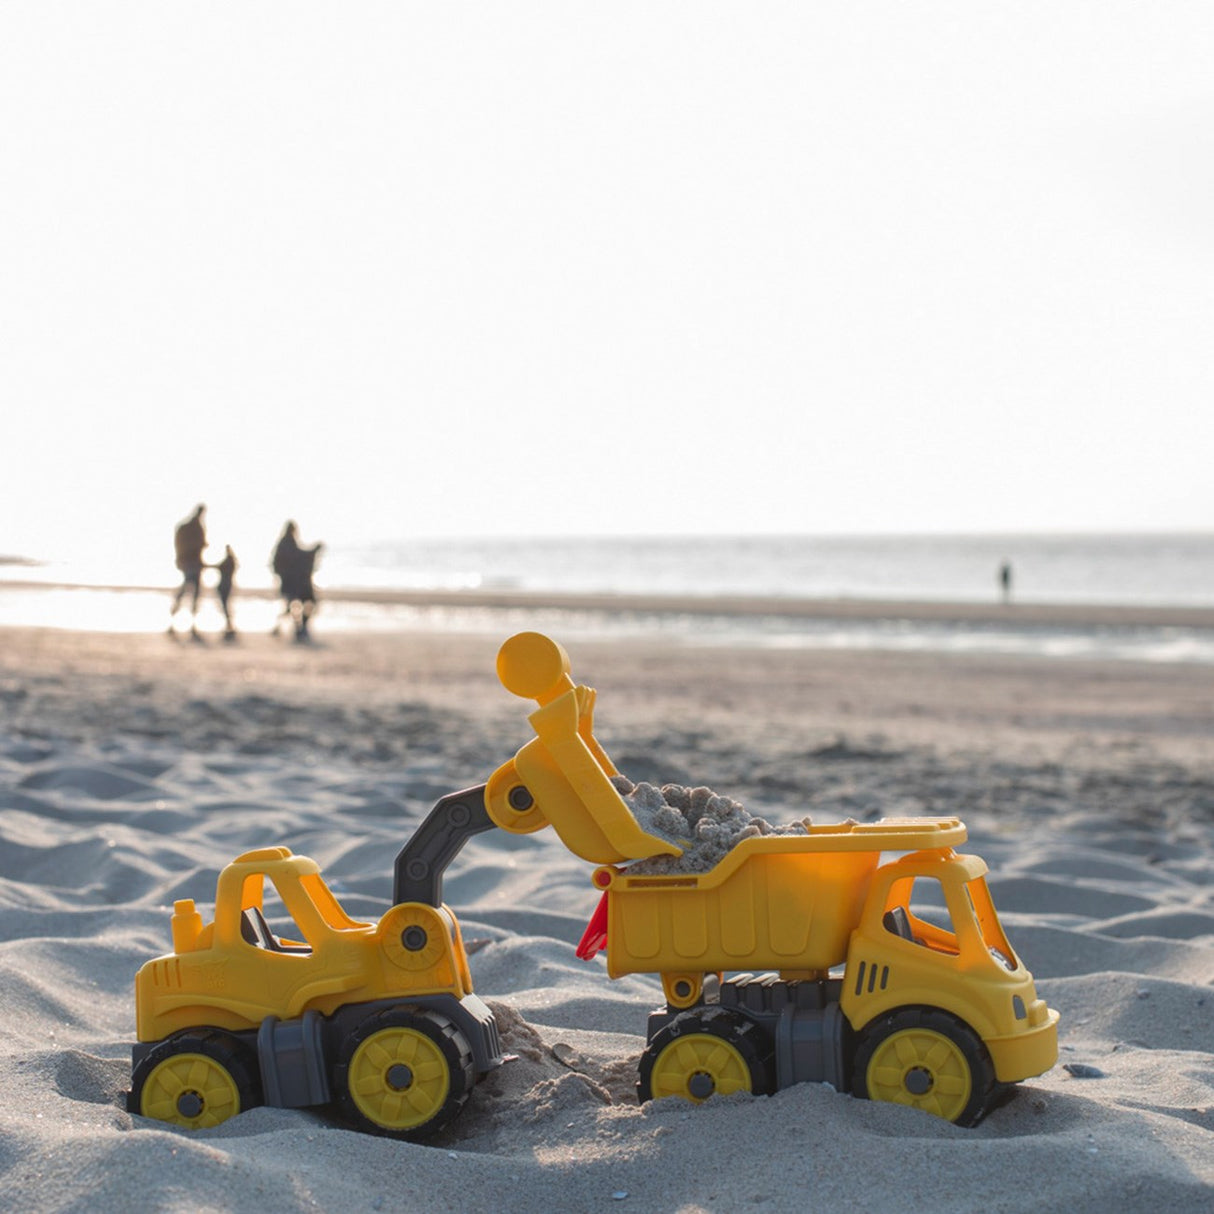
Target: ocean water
1127,569
1130,570
1144,570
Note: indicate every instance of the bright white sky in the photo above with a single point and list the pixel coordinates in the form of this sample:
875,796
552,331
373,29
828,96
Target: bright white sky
413,269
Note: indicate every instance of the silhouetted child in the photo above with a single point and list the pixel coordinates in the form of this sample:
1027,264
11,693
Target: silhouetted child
227,571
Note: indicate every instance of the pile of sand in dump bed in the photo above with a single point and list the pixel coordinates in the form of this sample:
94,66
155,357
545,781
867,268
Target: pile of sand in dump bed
705,824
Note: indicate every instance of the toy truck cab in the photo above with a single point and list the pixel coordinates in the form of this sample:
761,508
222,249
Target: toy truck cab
944,1012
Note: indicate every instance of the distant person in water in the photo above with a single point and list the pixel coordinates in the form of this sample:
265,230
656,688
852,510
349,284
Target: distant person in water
294,566
227,571
189,543
1005,581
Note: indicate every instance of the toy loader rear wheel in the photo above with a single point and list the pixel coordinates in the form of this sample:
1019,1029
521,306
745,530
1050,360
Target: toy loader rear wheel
405,1073
928,1060
196,1080
701,1054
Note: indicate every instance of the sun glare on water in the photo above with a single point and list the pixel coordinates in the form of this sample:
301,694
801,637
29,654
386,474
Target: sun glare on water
89,610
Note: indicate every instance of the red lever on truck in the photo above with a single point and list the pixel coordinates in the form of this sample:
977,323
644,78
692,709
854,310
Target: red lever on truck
594,938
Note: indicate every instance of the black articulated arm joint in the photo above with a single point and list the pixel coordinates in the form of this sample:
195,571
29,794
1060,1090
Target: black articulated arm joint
436,842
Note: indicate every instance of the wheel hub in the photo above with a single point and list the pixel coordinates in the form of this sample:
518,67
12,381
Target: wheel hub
918,1081
190,1104
399,1077
701,1085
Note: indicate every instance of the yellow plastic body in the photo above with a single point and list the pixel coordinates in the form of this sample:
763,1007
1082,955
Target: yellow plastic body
565,771
215,977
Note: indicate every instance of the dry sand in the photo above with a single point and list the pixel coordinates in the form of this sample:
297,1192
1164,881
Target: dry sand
132,769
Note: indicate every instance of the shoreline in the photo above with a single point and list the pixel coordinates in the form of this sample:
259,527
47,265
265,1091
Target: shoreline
924,611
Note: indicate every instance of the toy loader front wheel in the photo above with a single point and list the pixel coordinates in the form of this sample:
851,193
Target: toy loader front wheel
701,1054
196,1080
405,1073
928,1060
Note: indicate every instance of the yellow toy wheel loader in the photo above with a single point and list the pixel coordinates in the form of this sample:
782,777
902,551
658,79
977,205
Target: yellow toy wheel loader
377,1018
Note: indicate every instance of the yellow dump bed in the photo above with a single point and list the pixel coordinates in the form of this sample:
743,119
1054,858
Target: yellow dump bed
775,902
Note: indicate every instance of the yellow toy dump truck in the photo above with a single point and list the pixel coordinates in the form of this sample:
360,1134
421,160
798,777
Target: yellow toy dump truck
860,985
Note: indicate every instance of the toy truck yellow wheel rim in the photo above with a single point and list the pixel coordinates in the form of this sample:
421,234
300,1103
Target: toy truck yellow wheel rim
399,1078
921,1068
190,1090
698,1066
925,1058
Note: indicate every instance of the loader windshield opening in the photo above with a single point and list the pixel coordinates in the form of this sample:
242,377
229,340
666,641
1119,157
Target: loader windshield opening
265,921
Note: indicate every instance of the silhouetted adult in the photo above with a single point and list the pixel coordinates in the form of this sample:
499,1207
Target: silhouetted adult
1005,581
294,566
227,571
189,543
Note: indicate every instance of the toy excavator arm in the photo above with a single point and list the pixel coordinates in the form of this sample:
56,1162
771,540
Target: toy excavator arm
420,864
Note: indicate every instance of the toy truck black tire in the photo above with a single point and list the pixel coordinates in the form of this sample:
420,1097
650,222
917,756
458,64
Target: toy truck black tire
703,1052
405,1072
196,1079
928,1059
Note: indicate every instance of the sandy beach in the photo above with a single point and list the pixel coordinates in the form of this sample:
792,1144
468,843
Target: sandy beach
132,768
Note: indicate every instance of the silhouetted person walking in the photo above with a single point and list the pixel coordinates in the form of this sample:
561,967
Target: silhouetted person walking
1005,581
294,566
189,543
227,571
286,555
